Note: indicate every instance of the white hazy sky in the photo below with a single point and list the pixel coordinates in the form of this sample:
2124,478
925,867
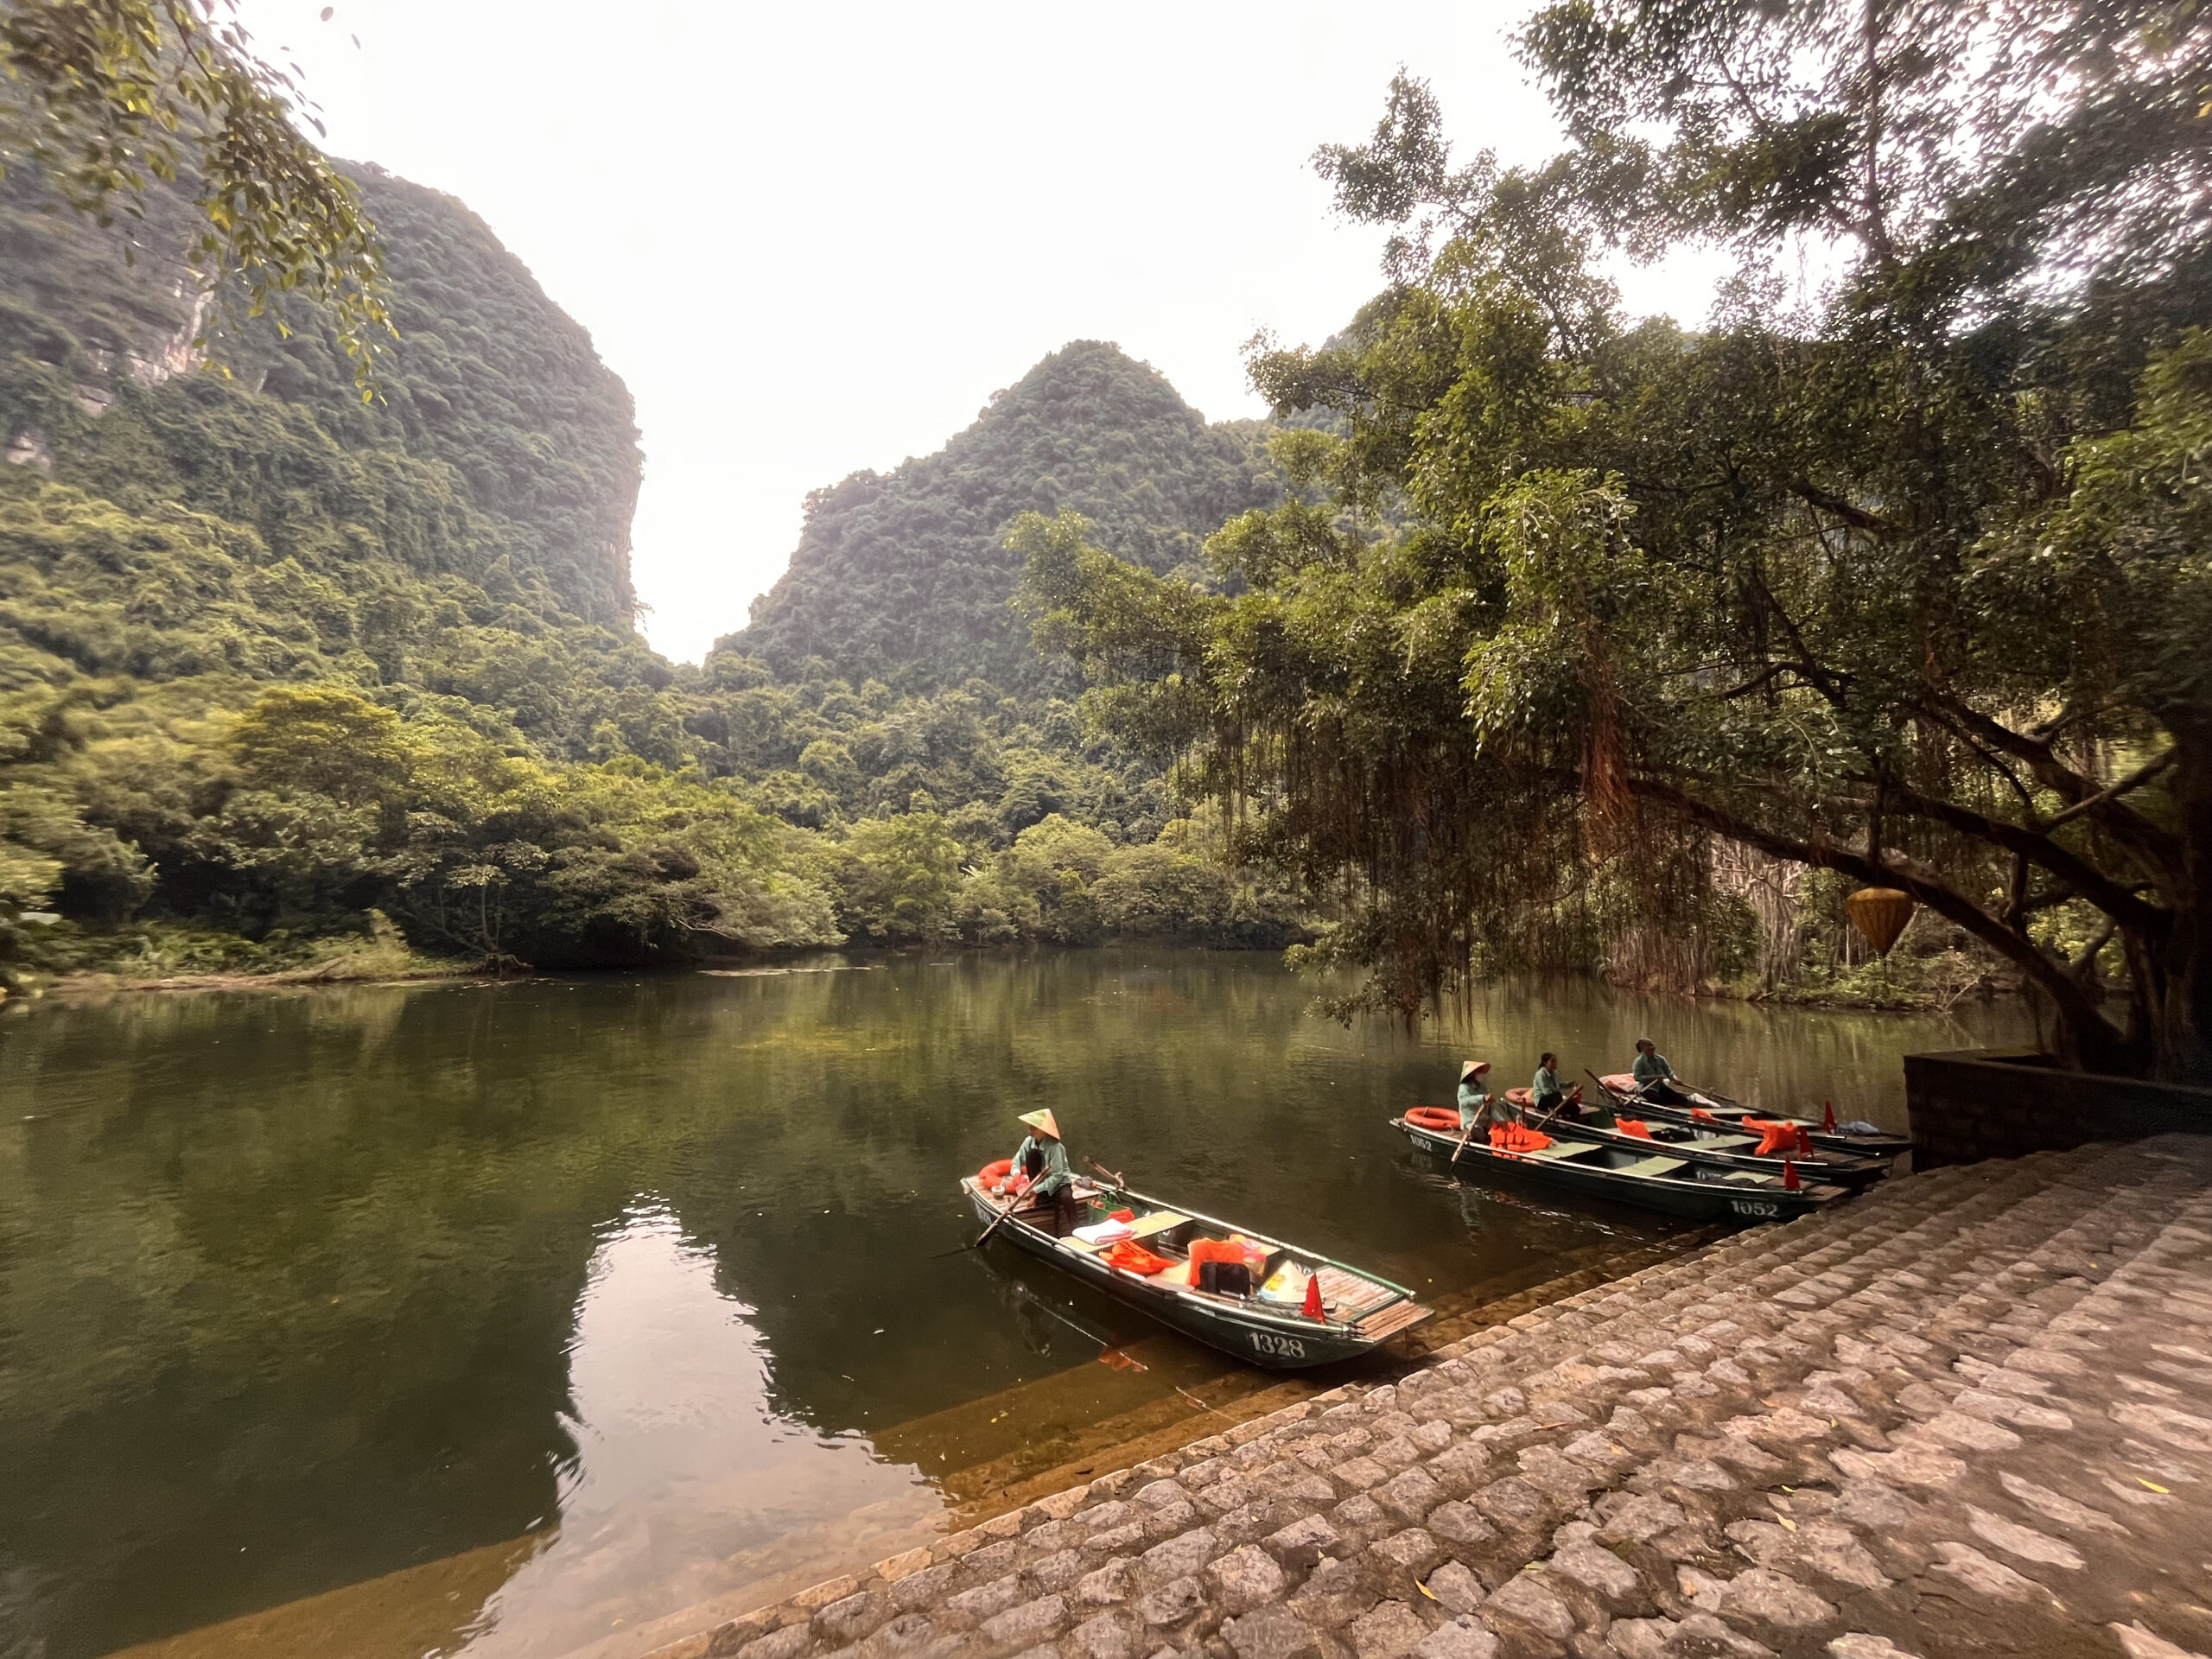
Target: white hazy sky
815,237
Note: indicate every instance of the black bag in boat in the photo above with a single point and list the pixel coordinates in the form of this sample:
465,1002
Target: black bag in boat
1225,1278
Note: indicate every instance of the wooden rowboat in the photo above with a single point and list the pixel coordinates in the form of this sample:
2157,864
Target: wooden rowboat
1725,1148
1652,1180
1677,1103
1360,1310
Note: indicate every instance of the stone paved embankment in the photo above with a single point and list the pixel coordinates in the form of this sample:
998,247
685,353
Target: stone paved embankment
1966,1414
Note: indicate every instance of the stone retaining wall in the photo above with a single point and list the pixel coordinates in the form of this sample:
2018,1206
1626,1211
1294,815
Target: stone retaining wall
1957,1416
1977,1104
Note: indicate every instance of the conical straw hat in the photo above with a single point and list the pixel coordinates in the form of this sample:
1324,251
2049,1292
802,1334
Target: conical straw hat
1044,1120
1471,1067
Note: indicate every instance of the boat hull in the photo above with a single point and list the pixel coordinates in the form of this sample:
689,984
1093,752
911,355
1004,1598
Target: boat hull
1677,1109
1837,1169
1692,1200
1285,1341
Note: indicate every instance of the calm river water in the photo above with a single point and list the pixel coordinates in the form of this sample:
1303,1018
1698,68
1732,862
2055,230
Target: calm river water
540,1318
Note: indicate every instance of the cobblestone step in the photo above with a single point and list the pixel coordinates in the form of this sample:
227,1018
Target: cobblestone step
1959,1415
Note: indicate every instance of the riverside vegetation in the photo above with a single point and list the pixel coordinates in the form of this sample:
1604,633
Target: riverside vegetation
292,683
1524,636
292,680
1609,629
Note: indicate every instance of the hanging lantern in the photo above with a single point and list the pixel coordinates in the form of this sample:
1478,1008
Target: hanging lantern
1879,914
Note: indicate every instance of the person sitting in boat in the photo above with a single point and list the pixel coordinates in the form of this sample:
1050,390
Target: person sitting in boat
1548,1098
1477,1111
1042,1161
1650,1065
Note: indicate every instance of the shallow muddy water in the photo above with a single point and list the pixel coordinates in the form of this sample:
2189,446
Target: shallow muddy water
538,1319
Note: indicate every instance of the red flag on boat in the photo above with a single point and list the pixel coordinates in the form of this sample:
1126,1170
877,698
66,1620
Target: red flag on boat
1313,1309
1804,1141
1789,1175
1828,1114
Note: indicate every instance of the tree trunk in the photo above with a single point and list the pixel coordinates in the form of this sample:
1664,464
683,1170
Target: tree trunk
2182,1003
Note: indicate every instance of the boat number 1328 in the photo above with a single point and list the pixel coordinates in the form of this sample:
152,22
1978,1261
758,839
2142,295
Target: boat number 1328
1286,1347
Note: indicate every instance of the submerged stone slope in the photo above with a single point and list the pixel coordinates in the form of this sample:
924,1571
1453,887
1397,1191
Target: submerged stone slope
1961,1415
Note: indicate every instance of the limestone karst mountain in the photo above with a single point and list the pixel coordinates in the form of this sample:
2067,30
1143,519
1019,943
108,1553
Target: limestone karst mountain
902,576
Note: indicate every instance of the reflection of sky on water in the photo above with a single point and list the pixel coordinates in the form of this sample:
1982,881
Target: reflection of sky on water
680,1463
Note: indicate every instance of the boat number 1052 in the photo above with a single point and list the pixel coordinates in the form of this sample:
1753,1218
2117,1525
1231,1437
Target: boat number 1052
1286,1347
1756,1207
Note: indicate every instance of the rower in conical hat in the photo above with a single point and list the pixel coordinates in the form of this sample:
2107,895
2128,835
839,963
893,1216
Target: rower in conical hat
1475,1110
1043,1160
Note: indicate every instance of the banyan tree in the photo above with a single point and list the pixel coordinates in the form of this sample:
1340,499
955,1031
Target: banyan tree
1902,576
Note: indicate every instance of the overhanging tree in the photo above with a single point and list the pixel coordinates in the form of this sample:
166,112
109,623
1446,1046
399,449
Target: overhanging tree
1906,581
109,99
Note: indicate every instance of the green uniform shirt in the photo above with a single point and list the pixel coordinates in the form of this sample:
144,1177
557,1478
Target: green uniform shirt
1474,1105
1651,1068
1546,1085
1056,1173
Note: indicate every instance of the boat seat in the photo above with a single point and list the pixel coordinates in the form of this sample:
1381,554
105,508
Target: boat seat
1654,1167
1349,1296
1159,1221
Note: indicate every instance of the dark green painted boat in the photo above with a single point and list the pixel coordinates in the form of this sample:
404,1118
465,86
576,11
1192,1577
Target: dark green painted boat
1652,1180
1675,1101
1723,1148
1360,1310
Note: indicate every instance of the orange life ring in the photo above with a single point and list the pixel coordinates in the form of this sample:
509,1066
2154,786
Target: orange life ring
992,1177
1441,1118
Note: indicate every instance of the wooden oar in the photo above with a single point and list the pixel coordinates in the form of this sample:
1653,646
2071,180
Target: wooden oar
1552,1114
993,1227
1120,1183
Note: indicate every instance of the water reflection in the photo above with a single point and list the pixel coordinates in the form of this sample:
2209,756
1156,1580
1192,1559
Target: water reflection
332,1321
681,1462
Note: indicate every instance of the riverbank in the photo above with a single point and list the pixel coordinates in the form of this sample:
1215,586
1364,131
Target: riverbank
338,973
1951,1418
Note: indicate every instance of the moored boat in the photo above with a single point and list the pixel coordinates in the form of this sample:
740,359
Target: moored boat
1721,1149
1677,1103
1652,1180
1269,1325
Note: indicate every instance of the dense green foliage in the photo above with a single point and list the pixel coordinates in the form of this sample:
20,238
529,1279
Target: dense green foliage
1907,584
500,451
904,576
130,105
280,670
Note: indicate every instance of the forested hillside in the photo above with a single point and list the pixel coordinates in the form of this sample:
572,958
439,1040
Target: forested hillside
292,679
904,576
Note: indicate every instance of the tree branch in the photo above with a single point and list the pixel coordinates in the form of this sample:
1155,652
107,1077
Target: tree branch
2102,1044
2135,780
2161,846
2085,965
2086,880
1857,518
